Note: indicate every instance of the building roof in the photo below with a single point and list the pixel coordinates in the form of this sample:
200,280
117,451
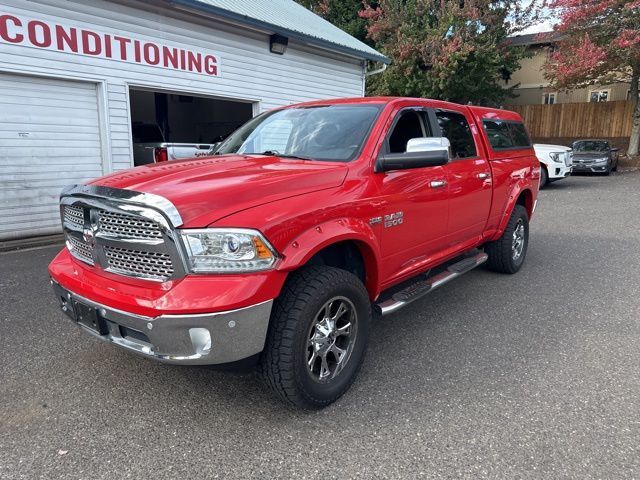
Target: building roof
541,38
285,17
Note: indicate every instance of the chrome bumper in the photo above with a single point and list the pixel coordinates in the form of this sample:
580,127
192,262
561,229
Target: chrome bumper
199,339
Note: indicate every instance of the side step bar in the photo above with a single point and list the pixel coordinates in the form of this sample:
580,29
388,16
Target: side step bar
419,289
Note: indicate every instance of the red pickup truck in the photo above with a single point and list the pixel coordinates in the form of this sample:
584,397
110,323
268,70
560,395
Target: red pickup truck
306,222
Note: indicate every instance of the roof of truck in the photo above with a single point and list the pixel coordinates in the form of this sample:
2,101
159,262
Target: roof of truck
479,112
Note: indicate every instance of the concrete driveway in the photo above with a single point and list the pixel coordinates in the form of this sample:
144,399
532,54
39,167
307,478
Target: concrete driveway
532,375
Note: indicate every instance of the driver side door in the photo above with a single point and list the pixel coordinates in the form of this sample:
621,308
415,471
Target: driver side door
414,202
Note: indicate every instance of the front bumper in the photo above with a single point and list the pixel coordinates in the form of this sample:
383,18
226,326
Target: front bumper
559,171
197,339
590,167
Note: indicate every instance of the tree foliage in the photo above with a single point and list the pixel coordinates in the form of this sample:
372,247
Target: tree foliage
600,44
446,49
344,14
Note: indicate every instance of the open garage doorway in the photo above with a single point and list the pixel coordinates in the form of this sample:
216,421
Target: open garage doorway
175,118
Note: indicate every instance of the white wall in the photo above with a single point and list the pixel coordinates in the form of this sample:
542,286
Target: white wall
248,70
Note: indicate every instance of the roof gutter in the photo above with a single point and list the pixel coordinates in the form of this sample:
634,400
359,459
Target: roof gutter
376,71
194,5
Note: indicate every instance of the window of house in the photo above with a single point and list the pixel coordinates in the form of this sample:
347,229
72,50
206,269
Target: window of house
409,125
456,129
599,96
549,98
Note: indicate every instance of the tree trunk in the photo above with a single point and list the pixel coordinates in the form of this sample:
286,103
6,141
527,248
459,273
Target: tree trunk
634,141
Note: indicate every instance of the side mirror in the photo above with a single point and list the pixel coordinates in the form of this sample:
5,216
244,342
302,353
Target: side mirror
421,152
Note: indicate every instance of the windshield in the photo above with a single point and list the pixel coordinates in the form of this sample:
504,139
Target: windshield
590,146
332,133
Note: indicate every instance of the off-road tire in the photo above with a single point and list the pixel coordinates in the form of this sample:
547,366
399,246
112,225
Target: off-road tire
283,362
501,252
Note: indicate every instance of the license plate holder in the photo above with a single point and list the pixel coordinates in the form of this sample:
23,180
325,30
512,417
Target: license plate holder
88,317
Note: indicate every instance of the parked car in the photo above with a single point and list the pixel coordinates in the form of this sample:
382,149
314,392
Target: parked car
594,156
555,162
277,249
149,146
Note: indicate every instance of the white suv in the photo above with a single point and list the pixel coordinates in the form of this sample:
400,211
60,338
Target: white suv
555,160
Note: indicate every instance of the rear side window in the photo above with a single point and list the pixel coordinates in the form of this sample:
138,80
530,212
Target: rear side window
503,134
456,129
519,135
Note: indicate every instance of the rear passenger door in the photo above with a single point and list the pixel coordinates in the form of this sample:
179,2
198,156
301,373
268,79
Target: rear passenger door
469,177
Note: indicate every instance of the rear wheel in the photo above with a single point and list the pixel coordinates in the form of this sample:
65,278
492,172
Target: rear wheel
317,337
507,254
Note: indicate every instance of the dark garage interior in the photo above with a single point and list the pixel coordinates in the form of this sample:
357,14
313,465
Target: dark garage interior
186,118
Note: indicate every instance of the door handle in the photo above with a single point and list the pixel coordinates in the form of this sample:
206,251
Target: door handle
483,176
437,184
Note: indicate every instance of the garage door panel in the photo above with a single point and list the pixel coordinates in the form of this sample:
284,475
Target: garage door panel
49,138
48,144
46,130
49,115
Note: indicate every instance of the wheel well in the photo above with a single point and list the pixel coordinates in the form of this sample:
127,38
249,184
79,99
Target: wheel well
343,255
526,200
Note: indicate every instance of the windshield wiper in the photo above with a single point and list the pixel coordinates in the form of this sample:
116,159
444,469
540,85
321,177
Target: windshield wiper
281,155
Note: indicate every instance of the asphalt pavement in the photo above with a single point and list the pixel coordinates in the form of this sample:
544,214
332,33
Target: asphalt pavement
535,375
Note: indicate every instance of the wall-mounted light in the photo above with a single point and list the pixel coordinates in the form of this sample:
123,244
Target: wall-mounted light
278,44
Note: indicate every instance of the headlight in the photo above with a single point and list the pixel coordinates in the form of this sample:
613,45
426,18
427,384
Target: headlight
601,160
555,157
227,250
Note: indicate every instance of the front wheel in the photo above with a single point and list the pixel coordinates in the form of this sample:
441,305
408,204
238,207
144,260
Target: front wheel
507,254
544,176
317,337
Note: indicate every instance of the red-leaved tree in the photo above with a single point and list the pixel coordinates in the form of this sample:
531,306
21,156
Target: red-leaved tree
600,43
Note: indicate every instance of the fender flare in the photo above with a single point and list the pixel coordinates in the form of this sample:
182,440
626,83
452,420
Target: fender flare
518,189
308,243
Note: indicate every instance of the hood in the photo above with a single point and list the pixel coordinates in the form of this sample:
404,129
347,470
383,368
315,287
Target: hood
544,147
208,189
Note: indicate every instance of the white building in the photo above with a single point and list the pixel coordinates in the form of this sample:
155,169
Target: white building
75,76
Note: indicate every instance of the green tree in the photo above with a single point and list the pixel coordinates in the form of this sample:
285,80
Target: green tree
344,14
444,49
600,44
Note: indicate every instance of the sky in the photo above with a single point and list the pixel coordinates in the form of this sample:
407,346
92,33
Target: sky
545,25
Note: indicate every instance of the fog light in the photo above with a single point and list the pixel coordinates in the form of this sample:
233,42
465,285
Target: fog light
201,340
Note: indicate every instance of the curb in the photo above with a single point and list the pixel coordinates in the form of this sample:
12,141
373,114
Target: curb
32,242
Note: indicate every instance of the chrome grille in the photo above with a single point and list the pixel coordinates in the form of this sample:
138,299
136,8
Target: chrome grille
127,226
80,250
138,263
74,216
131,238
568,159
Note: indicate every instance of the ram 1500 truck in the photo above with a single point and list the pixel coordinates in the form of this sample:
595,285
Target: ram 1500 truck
308,221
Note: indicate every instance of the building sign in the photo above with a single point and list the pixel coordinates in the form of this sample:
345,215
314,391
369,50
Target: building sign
18,30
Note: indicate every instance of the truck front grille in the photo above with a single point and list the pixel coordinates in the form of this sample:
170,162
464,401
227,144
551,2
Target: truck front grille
127,226
124,239
568,159
74,216
137,263
80,250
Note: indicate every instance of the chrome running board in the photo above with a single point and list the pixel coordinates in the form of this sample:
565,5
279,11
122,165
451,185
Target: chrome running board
420,288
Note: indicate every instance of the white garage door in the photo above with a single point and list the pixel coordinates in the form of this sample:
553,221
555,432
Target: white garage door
49,138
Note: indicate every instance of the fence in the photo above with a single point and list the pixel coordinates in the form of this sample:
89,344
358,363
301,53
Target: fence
577,120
